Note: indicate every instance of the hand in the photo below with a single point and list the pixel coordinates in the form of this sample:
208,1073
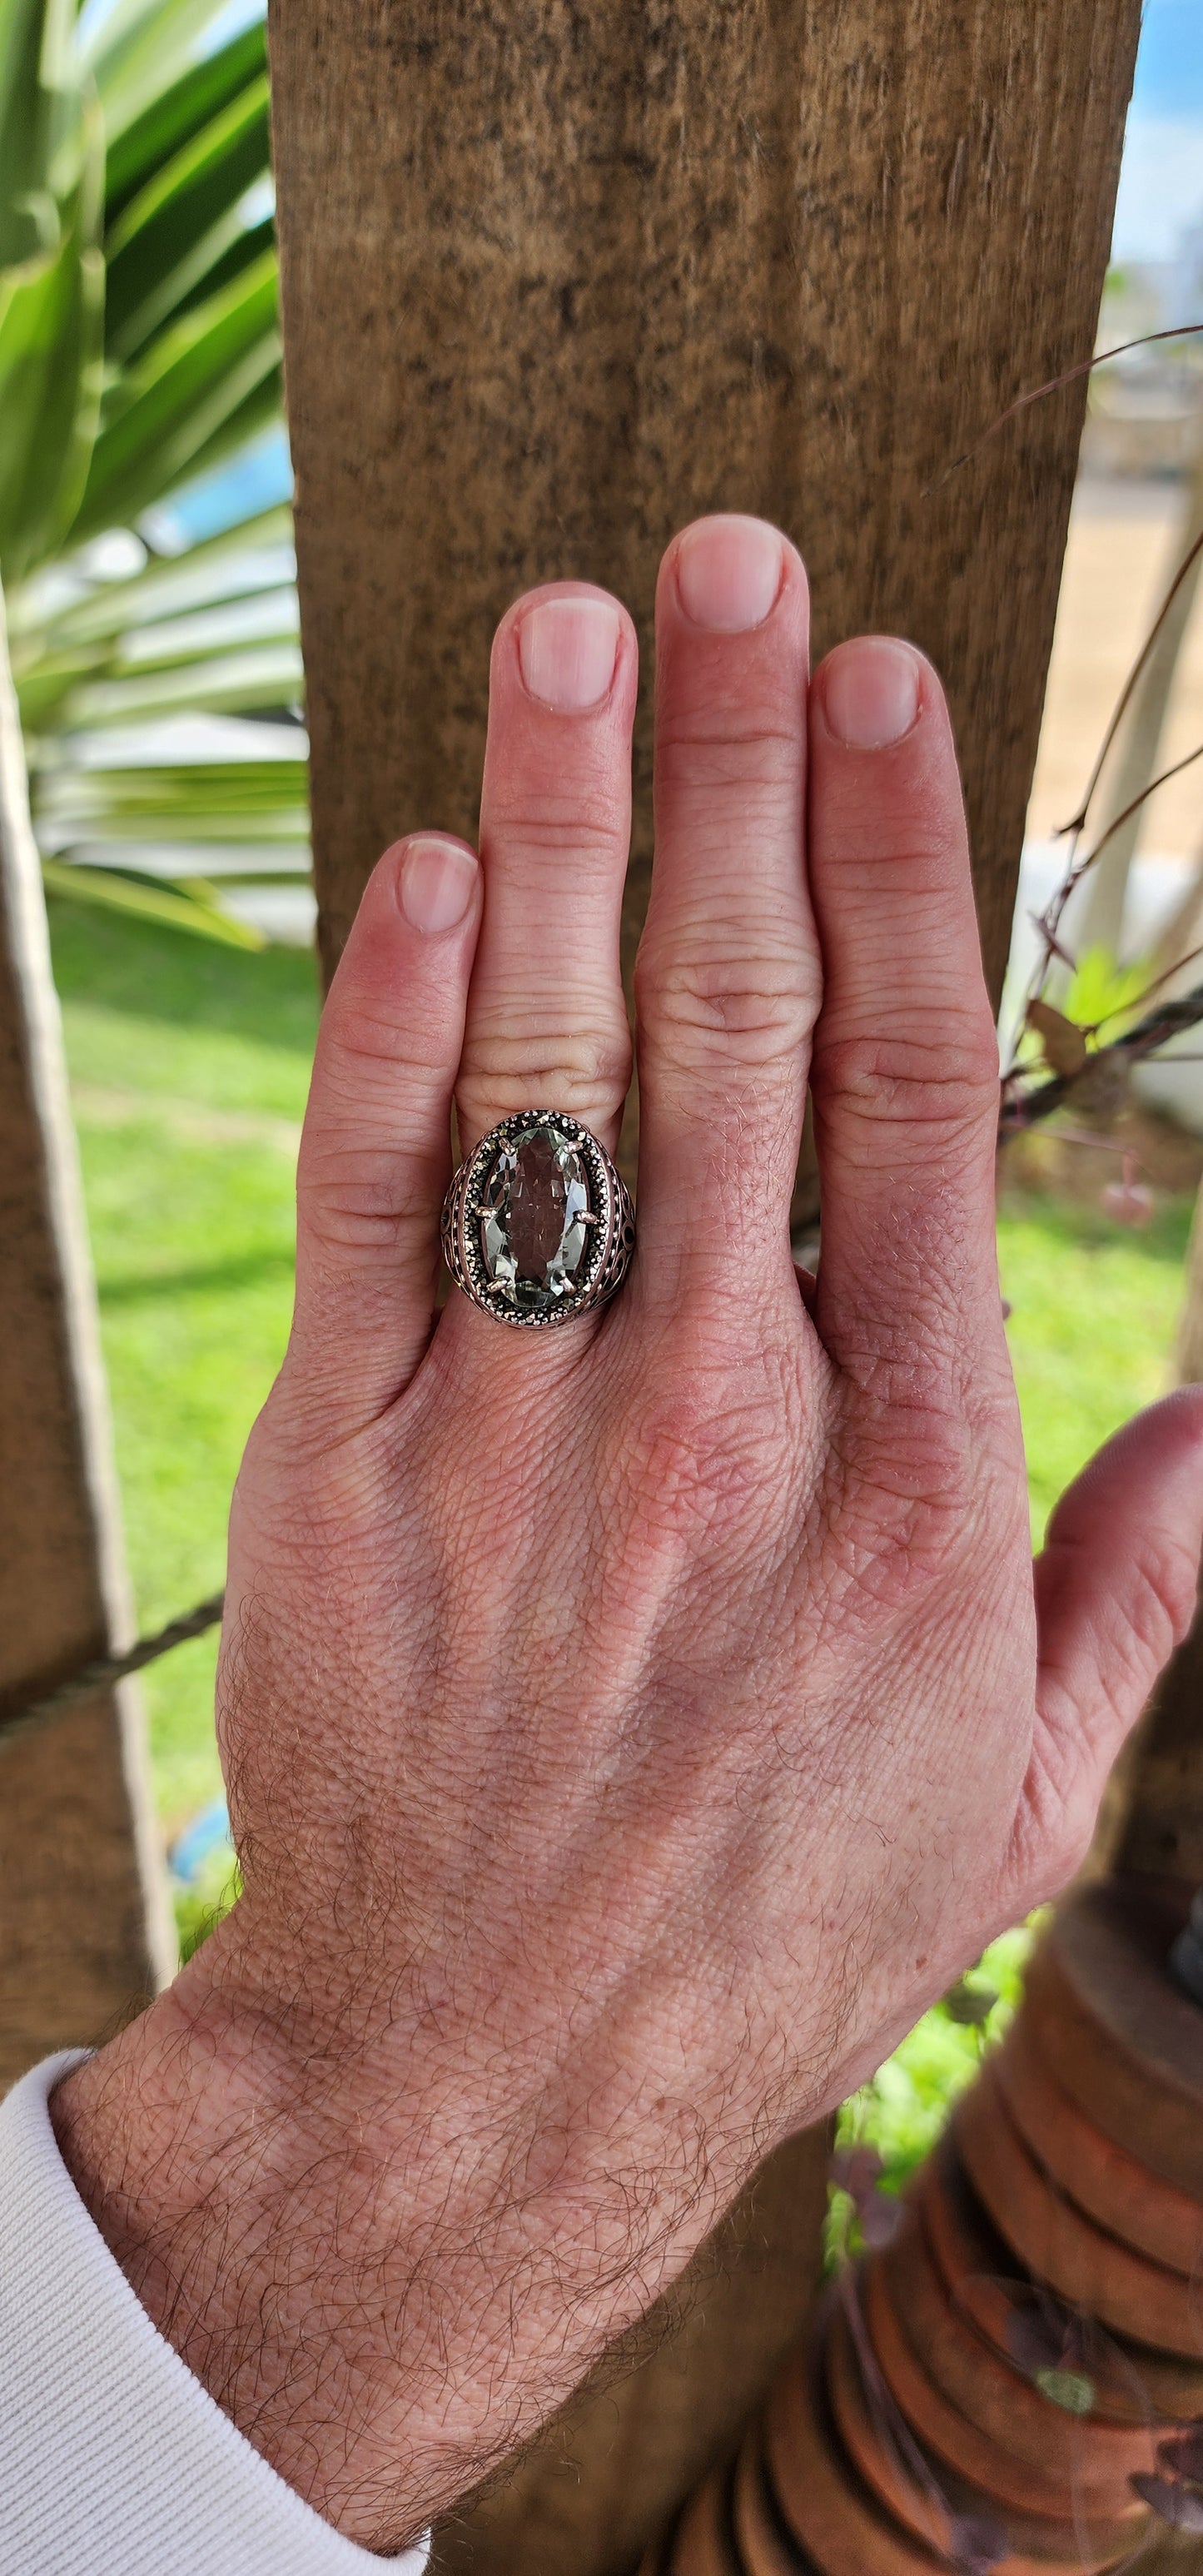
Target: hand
629,1729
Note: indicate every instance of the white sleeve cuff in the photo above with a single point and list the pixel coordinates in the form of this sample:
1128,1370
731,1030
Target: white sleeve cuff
114,2461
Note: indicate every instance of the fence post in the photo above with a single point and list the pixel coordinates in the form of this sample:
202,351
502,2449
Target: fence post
85,1928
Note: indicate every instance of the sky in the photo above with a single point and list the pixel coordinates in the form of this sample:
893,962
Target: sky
1161,182
1160,193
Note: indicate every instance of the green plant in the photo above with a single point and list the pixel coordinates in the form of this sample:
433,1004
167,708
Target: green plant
199,1908
139,347
139,336
889,2126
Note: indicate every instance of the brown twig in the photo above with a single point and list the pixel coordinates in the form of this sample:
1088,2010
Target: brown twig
1077,822
1025,1109
1153,986
1070,376
1075,873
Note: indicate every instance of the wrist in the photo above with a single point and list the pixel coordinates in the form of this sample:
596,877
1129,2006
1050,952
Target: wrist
229,2178
383,2264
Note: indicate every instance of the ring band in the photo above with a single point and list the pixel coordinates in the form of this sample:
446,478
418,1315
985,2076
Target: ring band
538,1225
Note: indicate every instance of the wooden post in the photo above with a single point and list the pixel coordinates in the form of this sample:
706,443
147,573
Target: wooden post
554,281
85,1929
615,2460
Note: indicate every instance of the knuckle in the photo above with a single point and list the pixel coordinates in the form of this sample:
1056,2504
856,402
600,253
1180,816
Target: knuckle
1161,1601
573,1068
353,1041
939,1079
906,1511
365,1199
581,816
699,1461
721,750
724,996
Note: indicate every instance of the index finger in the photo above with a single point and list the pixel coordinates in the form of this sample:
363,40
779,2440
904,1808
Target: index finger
905,1065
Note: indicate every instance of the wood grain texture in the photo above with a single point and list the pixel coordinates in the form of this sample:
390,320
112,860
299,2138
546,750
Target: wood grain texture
614,2461
84,1931
556,279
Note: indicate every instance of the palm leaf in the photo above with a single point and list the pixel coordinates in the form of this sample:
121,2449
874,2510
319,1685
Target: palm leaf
183,107
51,334
163,248
195,912
255,554
195,394
41,95
51,277
148,774
135,51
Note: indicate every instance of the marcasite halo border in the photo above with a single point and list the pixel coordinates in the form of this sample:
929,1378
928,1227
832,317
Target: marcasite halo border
610,1200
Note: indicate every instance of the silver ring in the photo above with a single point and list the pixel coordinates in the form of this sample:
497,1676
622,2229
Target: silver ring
538,1226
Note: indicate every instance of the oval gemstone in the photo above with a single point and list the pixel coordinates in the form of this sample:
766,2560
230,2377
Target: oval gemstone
534,1209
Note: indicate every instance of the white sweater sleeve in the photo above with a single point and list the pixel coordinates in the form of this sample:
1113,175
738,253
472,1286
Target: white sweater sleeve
114,2461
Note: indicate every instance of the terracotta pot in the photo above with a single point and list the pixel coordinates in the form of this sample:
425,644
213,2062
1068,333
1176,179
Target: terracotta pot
989,2283
834,2517
874,2445
837,2528
1042,2542
1104,2180
1005,2404
701,2544
1012,2485
1060,2245
763,2548
1120,2037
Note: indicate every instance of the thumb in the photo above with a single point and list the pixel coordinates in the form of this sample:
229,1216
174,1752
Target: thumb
1116,1585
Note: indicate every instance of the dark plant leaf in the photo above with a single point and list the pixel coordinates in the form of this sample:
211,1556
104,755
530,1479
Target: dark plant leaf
202,386
170,236
180,110
1063,1042
880,2219
856,2170
1180,2506
969,2005
1181,2455
975,2545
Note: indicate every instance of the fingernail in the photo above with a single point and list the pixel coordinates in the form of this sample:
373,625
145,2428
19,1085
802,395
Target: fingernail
729,573
437,881
567,649
871,693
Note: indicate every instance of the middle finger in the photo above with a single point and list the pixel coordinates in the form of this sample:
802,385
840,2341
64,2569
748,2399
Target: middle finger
728,975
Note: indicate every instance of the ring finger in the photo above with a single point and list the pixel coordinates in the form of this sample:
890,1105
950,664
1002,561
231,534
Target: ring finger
546,1024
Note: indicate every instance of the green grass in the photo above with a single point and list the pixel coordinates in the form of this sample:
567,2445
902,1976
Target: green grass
1094,1309
902,2110
189,1067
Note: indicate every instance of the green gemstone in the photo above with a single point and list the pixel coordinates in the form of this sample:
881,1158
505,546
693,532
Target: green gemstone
533,1237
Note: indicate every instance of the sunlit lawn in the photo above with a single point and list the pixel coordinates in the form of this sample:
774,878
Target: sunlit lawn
189,1066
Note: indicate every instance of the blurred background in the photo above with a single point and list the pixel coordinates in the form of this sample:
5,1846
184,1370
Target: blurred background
145,534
